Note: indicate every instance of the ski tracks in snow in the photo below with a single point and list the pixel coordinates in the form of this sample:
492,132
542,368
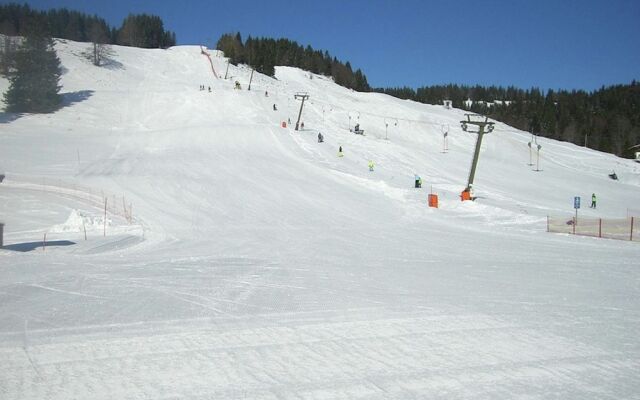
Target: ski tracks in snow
394,357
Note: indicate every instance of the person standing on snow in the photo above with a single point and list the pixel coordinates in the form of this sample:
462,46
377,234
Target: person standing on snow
370,165
593,200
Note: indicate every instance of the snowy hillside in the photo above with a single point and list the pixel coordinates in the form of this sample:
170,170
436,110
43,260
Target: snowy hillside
240,259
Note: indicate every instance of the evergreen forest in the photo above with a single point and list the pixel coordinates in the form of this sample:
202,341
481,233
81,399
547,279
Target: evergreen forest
607,119
263,54
141,30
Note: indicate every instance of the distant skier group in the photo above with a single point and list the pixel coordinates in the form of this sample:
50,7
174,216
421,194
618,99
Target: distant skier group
202,87
370,164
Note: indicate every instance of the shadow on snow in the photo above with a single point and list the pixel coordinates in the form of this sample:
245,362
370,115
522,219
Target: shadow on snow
71,98
30,246
68,99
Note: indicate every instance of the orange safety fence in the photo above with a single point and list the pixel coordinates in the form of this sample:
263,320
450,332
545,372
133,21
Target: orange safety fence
610,228
210,61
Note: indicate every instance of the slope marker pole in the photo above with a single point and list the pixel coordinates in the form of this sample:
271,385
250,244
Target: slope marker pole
104,224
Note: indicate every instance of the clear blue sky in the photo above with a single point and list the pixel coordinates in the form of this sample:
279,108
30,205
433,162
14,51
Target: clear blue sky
554,44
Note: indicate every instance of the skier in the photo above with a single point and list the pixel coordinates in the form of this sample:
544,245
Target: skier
418,182
266,94
302,125
320,138
209,89
371,165
340,154
274,107
593,200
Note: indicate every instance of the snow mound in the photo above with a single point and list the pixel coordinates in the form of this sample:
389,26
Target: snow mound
79,221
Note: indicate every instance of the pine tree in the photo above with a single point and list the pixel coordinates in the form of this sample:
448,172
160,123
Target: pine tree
34,83
8,46
361,84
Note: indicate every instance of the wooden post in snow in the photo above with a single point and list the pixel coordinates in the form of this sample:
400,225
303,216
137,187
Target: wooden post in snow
600,228
104,223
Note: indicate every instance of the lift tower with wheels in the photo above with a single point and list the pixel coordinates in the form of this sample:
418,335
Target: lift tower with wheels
484,126
303,96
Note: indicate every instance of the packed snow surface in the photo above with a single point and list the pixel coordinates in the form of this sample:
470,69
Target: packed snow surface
242,260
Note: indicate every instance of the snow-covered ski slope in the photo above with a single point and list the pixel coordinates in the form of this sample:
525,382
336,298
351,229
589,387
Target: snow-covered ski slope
259,265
